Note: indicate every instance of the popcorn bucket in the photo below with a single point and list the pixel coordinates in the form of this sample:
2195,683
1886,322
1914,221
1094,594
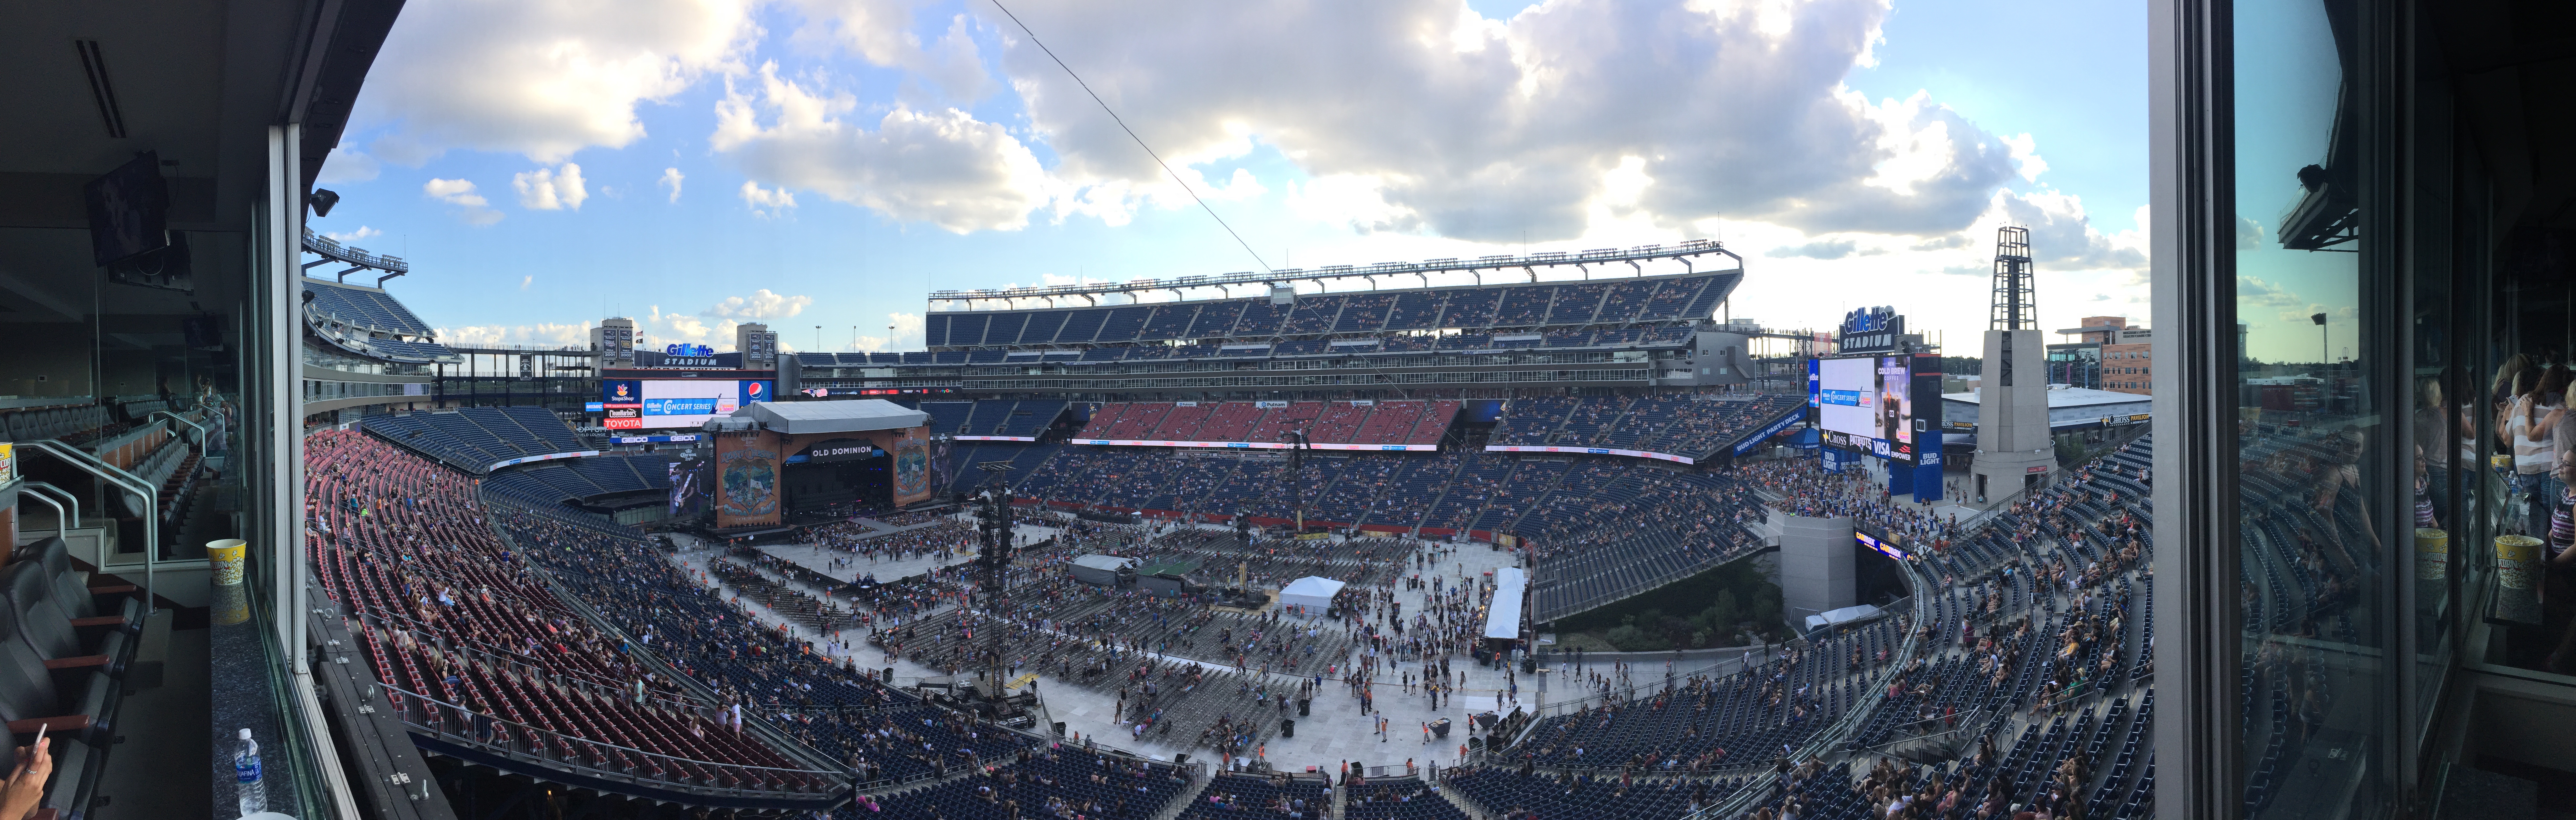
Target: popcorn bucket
2432,554
231,601
2517,561
228,556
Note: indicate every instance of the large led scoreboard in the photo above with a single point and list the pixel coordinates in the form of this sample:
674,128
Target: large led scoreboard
670,398
1883,399
1869,403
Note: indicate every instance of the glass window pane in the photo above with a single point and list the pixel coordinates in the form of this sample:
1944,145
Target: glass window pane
2313,699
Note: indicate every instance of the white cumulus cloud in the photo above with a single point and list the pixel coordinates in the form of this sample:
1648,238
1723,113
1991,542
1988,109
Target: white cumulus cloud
362,232
942,167
715,325
881,32
904,334
2062,235
760,305
1575,111
541,333
348,164
543,78
671,179
766,201
471,206
2025,154
551,189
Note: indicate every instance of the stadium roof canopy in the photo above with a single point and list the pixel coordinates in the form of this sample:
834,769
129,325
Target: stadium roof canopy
1606,258
2062,397
2069,408
848,416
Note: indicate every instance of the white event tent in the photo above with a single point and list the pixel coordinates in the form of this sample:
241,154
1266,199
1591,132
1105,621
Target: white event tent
1311,592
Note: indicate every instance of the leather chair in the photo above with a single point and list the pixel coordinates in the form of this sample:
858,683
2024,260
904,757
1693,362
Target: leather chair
44,626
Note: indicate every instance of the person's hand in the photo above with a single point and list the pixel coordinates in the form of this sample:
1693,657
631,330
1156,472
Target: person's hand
26,786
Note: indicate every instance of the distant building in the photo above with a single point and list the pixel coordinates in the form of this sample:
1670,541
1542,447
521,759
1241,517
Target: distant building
757,344
2126,360
2074,364
615,340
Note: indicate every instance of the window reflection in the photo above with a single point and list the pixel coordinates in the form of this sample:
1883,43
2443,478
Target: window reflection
2531,448
2311,541
144,379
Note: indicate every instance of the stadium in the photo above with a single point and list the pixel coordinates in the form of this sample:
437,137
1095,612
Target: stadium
1195,548
1156,550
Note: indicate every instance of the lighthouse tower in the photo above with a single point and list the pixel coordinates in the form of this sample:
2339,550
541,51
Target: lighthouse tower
2014,449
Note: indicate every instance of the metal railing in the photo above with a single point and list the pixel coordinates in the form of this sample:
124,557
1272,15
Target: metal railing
181,418
1823,742
1975,721
63,524
1495,755
112,475
519,742
1643,685
534,671
652,661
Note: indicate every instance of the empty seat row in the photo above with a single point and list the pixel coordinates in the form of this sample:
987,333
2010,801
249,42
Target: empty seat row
476,436
71,424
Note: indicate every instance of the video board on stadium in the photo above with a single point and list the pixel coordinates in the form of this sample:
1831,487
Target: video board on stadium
653,404
688,487
1868,403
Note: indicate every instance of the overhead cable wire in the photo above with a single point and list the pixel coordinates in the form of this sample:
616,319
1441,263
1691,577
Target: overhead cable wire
1131,134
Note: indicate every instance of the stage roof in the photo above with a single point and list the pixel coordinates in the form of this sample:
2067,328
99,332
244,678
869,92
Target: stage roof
1171,568
845,416
1107,562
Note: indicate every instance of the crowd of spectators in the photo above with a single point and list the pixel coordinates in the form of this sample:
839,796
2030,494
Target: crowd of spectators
2034,652
1695,425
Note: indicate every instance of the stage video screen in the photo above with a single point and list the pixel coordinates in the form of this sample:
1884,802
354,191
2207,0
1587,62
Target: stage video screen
1868,397
652,404
688,487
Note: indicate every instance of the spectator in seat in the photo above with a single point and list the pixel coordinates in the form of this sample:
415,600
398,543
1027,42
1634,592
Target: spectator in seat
482,720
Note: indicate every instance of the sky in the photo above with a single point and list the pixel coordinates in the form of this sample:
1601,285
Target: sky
2286,89
820,165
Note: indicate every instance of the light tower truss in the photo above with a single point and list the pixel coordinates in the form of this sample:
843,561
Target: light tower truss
357,259
2013,305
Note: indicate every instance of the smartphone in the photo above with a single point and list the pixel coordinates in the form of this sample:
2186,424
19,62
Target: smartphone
39,745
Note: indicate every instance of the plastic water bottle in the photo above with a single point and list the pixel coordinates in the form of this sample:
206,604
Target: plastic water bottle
246,776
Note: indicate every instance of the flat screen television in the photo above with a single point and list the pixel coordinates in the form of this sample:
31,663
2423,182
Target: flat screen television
203,332
129,210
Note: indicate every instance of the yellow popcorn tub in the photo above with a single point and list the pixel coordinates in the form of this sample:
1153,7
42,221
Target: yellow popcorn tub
230,557
2432,554
2517,561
